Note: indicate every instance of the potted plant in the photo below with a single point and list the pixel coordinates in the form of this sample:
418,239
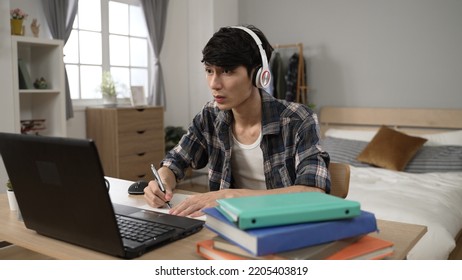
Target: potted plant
108,89
11,197
173,135
17,18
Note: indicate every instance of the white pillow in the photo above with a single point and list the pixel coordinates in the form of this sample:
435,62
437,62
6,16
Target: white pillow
351,134
435,139
444,138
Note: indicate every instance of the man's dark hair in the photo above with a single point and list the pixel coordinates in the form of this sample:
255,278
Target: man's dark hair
232,47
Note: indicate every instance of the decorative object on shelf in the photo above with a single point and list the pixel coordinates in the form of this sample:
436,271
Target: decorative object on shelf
11,197
17,18
137,96
35,27
16,27
108,89
40,83
25,81
32,126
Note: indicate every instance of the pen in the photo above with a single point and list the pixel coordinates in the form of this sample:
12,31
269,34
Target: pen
159,181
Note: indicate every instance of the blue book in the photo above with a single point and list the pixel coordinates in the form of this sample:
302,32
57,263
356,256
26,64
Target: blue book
271,240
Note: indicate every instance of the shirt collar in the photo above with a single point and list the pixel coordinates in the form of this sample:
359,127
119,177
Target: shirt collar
270,115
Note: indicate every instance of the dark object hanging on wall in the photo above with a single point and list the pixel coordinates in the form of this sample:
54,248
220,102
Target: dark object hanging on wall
291,78
279,82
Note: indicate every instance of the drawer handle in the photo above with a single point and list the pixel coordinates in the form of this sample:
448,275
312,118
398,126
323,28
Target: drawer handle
141,154
140,109
141,176
140,131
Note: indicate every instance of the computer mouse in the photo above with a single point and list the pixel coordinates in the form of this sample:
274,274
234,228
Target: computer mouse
137,187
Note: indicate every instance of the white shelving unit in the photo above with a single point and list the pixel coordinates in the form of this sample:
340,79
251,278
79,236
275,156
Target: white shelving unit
41,58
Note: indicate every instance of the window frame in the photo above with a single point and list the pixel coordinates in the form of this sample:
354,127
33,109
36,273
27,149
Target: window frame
81,103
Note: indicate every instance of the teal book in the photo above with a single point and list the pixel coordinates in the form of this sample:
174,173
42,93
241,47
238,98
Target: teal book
273,240
288,208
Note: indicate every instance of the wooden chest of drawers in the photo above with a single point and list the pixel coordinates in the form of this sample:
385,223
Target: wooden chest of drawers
128,139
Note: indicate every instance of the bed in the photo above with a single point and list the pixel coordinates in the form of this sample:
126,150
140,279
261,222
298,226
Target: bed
406,166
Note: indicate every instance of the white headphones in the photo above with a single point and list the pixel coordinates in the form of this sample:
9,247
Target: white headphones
263,77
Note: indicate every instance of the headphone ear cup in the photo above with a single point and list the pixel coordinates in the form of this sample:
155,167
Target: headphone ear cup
263,78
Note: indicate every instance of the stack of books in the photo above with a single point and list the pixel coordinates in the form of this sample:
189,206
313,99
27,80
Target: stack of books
306,225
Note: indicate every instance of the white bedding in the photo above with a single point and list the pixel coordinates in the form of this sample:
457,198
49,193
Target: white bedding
431,199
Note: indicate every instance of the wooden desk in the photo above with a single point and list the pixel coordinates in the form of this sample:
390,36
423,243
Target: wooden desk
404,236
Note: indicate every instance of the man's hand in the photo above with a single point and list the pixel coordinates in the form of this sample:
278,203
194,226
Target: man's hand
193,205
152,193
155,197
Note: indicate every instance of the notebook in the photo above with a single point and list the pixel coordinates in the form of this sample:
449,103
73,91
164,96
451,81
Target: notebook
286,208
61,192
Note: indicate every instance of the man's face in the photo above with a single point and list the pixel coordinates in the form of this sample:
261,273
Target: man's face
230,87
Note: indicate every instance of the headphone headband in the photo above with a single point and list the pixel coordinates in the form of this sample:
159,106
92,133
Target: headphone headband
263,77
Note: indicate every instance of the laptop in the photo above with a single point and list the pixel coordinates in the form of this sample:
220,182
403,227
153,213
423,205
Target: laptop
61,192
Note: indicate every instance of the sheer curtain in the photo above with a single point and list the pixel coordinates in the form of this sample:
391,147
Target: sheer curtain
60,15
155,12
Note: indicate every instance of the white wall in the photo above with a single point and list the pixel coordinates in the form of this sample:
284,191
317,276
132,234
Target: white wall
174,57
190,24
378,53
6,98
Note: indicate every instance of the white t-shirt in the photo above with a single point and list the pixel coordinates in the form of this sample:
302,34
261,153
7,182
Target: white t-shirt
247,165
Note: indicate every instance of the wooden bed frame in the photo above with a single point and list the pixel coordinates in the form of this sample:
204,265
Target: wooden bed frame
408,120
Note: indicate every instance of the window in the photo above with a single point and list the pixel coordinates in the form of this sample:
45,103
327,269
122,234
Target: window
107,35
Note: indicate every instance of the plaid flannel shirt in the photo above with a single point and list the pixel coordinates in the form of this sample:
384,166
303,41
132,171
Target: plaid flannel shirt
291,150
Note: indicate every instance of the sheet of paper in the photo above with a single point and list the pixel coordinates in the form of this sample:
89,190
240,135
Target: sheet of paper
119,194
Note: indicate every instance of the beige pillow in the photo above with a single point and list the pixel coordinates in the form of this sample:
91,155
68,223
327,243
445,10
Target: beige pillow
391,149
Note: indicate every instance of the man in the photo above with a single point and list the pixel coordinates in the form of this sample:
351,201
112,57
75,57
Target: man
252,143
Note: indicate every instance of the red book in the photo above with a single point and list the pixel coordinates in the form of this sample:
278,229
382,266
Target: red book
366,248
218,248
205,249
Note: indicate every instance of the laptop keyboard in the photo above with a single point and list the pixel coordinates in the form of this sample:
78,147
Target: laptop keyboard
141,231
